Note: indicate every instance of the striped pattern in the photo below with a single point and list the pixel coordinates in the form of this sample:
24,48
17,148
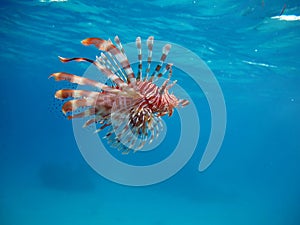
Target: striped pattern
139,47
83,81
109,47
103,69
130,109
165,52
150,42
118,42
164,85
67,93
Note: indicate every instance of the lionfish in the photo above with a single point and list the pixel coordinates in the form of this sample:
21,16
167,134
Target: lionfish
130,106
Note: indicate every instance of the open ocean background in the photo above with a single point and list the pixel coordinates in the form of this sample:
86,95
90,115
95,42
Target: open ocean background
254,180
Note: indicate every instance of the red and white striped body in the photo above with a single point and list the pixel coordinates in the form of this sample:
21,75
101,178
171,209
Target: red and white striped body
131,108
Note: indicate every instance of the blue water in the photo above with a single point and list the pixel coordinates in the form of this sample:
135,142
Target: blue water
255,179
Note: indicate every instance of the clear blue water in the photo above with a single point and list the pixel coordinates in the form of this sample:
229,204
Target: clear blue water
255,179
